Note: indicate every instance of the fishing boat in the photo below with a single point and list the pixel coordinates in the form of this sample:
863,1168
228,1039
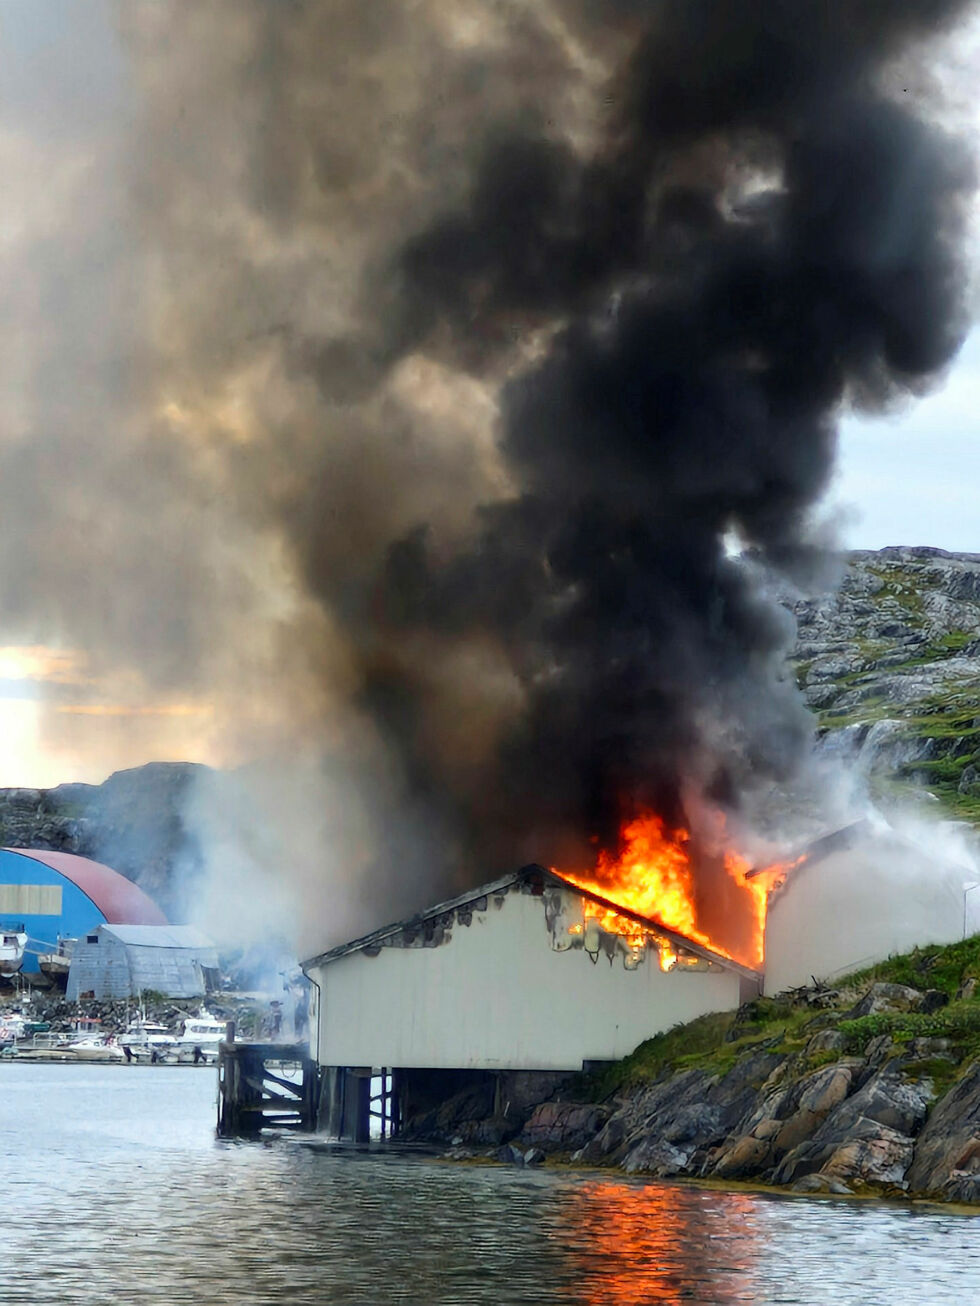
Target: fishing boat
55,963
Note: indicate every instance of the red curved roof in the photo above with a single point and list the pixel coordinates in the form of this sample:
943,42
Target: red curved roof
119,900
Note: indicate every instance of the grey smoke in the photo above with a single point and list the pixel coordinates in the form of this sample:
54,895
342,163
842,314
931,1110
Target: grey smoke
423,360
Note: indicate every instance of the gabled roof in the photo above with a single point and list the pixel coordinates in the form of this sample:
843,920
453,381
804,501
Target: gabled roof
118,899
159,936
537,877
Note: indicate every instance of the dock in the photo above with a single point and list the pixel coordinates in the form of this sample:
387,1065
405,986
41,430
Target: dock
265,1086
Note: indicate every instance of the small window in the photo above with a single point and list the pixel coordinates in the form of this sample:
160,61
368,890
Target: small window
92,938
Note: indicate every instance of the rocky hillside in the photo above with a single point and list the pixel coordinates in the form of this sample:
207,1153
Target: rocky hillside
133,822
873,1086
890,665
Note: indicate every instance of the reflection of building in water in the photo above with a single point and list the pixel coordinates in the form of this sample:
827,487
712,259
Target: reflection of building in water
656,1243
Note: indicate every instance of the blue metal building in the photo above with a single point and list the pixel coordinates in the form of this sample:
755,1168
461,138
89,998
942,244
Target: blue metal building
53,895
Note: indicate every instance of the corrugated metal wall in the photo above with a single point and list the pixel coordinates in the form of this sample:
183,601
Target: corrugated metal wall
111,969
99,965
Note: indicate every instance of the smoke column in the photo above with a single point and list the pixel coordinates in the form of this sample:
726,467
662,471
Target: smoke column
762,232
459,340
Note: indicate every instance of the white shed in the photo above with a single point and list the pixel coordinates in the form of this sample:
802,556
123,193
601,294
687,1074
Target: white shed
528,974
123,961
859,896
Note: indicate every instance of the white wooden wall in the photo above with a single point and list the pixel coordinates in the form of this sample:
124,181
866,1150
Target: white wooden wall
498,996
858,906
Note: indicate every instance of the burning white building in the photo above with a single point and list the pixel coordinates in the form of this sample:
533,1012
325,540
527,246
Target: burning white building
528,973
535,973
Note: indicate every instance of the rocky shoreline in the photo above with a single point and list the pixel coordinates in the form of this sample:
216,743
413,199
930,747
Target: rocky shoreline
869,1088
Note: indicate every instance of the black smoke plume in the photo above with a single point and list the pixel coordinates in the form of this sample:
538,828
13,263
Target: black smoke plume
768,231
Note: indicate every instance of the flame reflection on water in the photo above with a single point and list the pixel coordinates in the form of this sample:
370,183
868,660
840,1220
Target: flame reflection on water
649,1244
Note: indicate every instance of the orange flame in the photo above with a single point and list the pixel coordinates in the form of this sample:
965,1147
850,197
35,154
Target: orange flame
653,876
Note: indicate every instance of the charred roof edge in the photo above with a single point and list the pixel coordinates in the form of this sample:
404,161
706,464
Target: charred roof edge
524,875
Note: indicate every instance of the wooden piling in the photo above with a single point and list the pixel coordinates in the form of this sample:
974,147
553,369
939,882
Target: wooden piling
265,1085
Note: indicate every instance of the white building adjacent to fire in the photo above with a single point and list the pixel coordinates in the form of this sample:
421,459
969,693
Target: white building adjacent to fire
860,895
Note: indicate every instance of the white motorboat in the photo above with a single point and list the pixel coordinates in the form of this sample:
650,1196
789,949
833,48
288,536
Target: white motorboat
95,1047
147,1040
199,1036
13,941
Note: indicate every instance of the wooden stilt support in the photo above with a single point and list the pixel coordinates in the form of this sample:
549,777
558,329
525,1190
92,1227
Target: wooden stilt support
345,1103
384,1104
265,1085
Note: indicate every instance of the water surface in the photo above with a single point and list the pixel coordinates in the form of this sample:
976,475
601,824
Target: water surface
117,1191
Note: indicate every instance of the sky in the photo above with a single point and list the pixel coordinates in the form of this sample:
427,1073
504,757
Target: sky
913,478
65,102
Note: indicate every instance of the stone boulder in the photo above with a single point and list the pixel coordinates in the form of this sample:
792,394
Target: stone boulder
783,1120
870,1152
520,1091
467,1114
563,1126
933,1000
825,1040
887,1099
947,1153
607,1146
507,1155
868,1137
886,997
962,1186
657,1157
684,1119
821,1183
492,1130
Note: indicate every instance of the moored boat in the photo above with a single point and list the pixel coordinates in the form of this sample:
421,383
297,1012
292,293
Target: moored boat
96,1047
13,941
55,964
11,1029
147,1040
199,1036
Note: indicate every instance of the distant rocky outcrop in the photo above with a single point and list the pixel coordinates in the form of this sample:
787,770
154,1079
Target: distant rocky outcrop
890,664
133,822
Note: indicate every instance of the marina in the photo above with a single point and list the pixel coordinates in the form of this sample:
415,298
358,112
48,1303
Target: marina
192,1041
